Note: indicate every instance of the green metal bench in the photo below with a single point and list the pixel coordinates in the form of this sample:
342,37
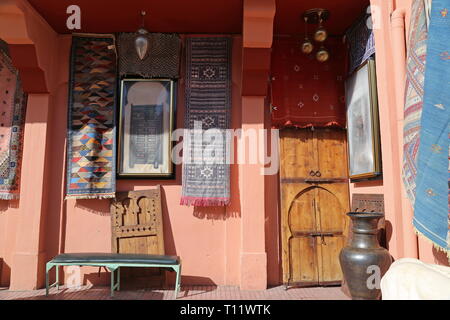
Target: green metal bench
113,262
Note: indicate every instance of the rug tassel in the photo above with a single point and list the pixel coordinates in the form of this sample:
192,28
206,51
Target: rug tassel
436,246
90,197
9,196
202,202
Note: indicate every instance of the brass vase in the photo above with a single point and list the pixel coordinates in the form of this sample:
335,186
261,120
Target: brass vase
363,260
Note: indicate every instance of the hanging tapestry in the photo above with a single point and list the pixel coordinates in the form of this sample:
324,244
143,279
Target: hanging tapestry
361,41
415,74
12,120
306,92
91,159
431,209
161,61
206,173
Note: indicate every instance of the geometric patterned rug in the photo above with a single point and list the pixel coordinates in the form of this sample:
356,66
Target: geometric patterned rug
91,159
415,77
206,173
13,103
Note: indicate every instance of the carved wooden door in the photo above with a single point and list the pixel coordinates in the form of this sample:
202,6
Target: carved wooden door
137,228
314,201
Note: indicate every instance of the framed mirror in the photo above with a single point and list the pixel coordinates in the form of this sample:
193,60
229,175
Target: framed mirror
145,128
363,130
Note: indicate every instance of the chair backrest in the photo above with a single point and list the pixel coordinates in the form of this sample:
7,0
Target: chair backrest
137,224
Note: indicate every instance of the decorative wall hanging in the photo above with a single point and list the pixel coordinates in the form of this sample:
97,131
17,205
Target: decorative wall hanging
362,123
306,93
146,125
208,100
91,158
162,59
361,41
415,75
431,208
13,103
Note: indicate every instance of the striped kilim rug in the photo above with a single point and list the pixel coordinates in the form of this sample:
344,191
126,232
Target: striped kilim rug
206,174
415,75
431,210
12,119
91,156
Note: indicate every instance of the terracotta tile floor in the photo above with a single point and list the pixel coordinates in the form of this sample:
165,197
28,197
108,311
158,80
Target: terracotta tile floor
187,292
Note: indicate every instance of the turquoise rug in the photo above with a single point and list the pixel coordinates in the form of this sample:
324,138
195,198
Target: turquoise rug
431,210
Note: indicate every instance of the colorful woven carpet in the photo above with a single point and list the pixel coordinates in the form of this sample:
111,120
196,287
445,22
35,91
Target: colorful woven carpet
206,181
431,210
12,119
91,159
415,75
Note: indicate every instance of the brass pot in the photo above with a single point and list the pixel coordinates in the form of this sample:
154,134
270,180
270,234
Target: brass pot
363,260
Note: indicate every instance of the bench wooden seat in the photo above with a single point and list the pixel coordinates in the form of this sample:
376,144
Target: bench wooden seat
113,262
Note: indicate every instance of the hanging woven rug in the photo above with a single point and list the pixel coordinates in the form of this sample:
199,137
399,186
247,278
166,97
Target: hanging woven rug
91,159
12,119
206,173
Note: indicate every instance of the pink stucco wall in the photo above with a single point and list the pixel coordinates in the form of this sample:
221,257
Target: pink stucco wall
238,245
209,236
206,239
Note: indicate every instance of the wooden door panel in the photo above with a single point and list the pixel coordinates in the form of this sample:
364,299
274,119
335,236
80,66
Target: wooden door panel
328,253
313,220
297,217
297,153
302,218
331,207
303,261
332,153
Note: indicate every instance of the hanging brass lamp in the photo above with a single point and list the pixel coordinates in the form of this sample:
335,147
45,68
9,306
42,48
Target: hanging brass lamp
321,33
307,46
141,42
316,16
322,55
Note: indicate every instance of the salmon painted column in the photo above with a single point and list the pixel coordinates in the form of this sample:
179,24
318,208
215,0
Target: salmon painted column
389,30
398,26
257,43
32,45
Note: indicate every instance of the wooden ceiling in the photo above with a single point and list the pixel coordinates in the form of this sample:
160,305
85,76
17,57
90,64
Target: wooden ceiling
342,14
108,16
190,16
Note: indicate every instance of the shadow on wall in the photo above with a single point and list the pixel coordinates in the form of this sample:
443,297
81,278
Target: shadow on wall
440,257
169,242
5,273
385,235
98,207
7,204
373,182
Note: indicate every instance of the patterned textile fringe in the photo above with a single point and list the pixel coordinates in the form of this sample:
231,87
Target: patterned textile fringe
328,124
90,196
9,196
204,202
435,245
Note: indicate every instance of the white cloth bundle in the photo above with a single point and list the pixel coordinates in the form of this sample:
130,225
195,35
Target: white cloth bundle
411,279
